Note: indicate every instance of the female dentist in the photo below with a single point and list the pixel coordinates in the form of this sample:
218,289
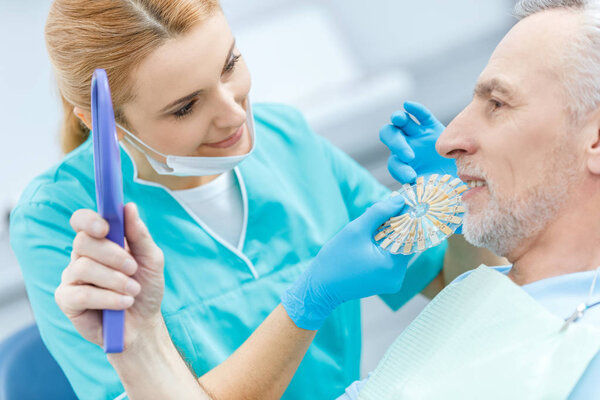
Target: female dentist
233,235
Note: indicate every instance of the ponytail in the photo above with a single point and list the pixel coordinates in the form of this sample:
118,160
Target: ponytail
72,132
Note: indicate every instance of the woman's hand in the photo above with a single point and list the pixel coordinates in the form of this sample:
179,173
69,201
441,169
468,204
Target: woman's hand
411,137
350,266
103,275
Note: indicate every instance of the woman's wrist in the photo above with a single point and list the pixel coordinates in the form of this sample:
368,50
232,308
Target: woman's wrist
151,367
304,306
147,343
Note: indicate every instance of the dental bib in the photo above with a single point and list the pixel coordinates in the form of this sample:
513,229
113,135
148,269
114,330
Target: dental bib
484,338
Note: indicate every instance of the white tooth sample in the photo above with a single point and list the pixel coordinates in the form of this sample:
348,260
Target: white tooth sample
433,210
455,182
430,188
409,195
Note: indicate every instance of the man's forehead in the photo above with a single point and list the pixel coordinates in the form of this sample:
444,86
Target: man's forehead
531,54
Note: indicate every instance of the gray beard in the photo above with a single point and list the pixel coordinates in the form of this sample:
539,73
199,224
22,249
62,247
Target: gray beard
507,222
503,225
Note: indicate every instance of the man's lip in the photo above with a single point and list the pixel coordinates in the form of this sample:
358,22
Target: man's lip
229,141
466,178
467,195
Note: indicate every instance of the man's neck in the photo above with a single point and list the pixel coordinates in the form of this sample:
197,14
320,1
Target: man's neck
571,243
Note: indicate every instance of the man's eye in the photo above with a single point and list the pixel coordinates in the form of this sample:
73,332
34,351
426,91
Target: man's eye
495,104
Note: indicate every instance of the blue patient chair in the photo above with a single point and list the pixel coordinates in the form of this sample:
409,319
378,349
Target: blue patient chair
28,371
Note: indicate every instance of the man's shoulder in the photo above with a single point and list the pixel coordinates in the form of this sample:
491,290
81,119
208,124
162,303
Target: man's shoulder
588,386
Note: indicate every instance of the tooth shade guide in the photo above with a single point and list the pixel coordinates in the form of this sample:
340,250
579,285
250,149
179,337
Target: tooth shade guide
420,189
430,189
409,195
396,237
380,236
459,190
444,228
445,202
396,219
447,218
455,182
420,237
384,245
391,229
400,224
433,212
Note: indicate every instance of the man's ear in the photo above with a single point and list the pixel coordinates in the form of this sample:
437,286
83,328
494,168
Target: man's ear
593,147
84,116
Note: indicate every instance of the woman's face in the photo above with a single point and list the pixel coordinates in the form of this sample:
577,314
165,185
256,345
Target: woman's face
190,95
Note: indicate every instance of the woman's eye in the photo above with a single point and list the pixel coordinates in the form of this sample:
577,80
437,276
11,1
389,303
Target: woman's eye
231,64
184,111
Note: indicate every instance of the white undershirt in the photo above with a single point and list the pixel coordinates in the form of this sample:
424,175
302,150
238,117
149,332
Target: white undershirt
219,205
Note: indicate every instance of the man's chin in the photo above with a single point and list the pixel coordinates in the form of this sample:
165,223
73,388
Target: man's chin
485,233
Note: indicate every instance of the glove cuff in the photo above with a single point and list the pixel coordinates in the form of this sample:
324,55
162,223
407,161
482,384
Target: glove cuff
305,308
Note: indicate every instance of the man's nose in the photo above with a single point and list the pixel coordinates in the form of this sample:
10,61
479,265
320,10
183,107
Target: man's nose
458,138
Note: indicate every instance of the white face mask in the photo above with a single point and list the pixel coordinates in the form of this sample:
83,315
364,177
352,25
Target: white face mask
195,165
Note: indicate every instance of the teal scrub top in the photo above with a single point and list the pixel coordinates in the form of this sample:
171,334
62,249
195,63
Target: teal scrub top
298,191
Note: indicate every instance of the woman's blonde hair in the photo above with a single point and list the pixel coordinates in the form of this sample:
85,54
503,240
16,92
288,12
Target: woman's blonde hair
82,35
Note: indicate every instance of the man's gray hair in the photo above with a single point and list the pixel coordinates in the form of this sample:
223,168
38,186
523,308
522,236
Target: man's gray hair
582,74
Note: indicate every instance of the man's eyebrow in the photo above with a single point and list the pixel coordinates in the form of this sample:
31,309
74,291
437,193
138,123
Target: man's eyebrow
190,96
486,88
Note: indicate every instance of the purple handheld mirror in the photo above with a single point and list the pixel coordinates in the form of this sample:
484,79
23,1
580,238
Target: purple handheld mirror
109,191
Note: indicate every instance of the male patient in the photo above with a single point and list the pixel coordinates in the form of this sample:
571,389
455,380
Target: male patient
528,145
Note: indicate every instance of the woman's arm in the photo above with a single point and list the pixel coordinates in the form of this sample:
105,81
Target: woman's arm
151,368
264,365
260,369
350,266
150,365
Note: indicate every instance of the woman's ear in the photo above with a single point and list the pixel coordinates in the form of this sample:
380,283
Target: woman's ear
84,116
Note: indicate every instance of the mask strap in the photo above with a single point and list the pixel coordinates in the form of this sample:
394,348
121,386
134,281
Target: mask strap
139,141
583,307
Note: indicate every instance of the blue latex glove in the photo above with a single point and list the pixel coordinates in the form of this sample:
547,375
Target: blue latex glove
350,266
413,144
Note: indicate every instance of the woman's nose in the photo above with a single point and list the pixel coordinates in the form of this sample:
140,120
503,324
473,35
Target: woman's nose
229,110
